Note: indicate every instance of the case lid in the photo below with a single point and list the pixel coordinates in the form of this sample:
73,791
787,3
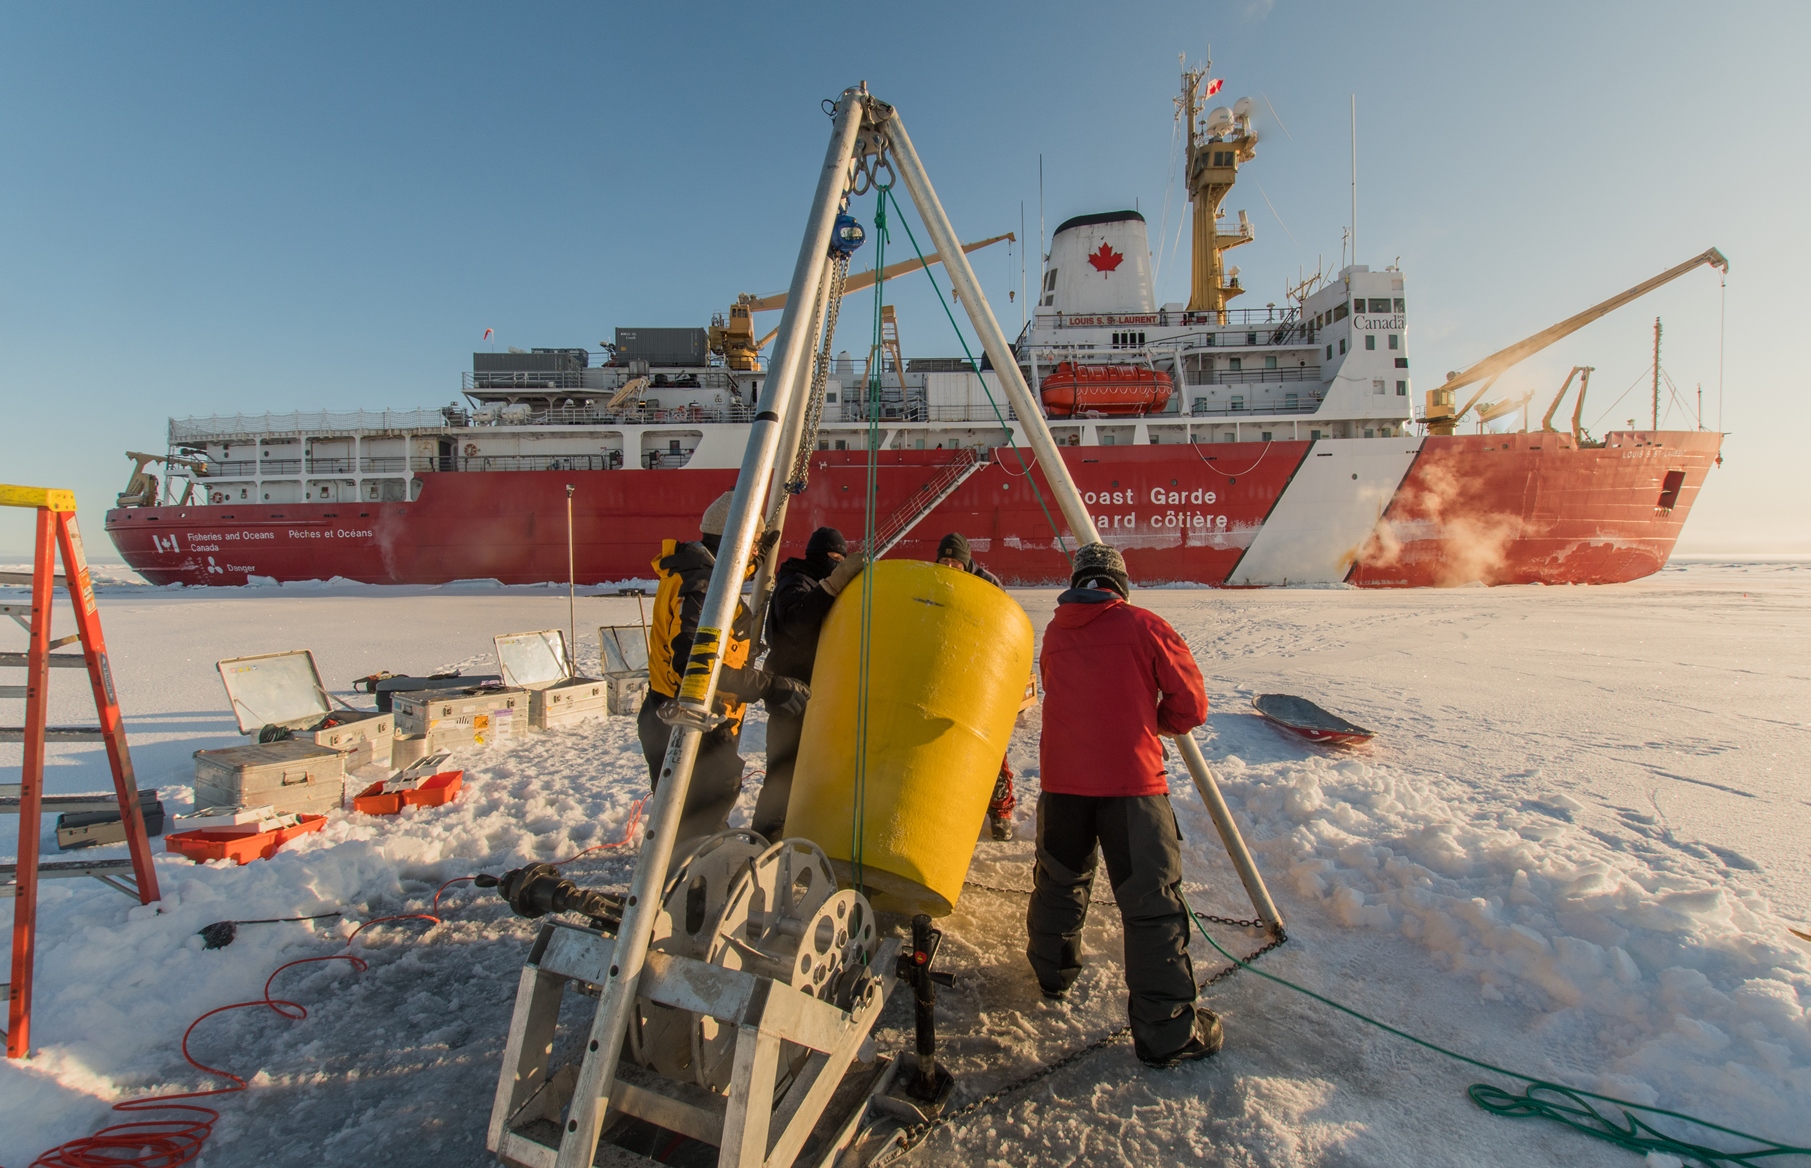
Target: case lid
625,649
275,689
533,660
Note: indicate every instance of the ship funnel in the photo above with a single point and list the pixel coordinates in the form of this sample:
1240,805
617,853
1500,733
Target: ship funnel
1099,264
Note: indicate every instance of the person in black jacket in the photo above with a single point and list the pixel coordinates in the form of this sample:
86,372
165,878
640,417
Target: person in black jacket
953,552
803,591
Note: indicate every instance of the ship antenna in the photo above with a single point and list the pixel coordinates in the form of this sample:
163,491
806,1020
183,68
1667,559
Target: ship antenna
1354,178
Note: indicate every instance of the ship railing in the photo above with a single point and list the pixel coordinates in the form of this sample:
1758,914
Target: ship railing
583,416
279,468
1249,376
384,464
241,427
608,460
1245,318
234,468
1257,409
524,379
332,465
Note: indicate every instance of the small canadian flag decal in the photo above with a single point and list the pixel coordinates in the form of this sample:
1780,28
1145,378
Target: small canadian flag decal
1105,259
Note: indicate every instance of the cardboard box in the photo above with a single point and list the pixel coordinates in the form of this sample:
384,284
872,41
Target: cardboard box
284,689
290,776
537,662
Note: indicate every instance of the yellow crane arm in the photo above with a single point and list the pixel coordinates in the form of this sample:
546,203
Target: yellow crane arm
1492,366
859,280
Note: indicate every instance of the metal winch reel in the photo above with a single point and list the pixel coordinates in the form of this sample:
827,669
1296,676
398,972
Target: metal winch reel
768,909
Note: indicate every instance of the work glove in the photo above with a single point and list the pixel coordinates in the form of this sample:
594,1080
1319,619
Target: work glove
764,545
839,576
786,695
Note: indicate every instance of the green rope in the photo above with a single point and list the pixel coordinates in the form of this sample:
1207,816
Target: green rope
877,359
1568,1105
1024,467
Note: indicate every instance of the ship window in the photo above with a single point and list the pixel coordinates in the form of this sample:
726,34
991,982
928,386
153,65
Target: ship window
1235,363
1669,489
1402,362
1050,280
1265,436
1339,311
1314,435
1229,436
672,446
1402,389
1368,434
920,444
823,443
1395,341
1380,304
830,398
1270,362
1377,385
841,444
1329,352
1358,305
1210,339
1399,307
1289,401
1106,439
1342,347
1251,338
1370,340
1238,403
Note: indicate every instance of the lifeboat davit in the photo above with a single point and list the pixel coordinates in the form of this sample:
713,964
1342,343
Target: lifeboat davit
1072,390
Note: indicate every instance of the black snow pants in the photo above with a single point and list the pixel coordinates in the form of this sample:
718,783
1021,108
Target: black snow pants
783,732
716,776
1139,838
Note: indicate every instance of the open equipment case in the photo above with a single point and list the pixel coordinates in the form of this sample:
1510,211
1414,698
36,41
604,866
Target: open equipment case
624,650
537,662
285,690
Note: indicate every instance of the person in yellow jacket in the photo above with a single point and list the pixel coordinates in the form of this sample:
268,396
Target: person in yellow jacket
684,571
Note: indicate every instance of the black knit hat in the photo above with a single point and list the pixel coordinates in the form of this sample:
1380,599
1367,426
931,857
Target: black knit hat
955,547
1097,564
826,541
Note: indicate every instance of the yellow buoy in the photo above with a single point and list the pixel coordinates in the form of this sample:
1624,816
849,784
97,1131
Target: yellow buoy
948,659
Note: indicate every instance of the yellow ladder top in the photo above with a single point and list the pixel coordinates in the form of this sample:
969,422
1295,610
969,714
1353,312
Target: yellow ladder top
49,498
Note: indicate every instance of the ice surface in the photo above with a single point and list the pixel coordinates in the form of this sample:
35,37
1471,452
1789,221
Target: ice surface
1574,849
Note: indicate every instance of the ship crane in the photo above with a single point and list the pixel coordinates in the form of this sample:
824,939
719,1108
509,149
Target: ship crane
733,337
1442,419
141,489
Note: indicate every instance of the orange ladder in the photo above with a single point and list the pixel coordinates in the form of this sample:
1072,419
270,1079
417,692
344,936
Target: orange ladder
19,880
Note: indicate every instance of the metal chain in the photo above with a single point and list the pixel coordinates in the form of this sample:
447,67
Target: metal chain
801,464
915,1135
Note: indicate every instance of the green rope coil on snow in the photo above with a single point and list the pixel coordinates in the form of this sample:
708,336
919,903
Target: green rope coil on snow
1572,1106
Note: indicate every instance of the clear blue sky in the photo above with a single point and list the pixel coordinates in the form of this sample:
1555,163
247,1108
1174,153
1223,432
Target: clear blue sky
226,207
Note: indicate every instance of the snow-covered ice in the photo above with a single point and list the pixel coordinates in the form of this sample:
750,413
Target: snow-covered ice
1574,850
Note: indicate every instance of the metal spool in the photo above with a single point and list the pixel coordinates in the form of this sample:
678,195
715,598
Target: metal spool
660,1036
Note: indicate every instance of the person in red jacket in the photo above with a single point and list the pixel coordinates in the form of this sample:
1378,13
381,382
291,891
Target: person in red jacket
1115,679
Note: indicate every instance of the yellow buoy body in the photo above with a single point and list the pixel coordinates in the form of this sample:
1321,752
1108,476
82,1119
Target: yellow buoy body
948,660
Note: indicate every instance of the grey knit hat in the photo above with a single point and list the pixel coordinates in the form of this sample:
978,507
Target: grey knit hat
1097,564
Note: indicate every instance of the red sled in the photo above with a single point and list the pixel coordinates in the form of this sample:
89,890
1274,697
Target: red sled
434,791
1301,716
241,847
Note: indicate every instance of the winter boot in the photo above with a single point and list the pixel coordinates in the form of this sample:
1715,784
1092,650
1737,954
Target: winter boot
1204,1043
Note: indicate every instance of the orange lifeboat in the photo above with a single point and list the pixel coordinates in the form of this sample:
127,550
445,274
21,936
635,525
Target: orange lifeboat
1073,390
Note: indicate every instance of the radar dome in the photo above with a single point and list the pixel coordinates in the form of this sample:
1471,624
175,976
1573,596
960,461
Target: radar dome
1219,120
1242,108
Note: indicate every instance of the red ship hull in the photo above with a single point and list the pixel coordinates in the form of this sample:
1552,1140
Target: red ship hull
1494,509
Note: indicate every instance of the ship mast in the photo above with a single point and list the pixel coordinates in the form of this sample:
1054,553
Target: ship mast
1216,147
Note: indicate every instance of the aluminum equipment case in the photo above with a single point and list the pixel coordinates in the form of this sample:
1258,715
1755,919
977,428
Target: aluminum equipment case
625,656
284,689
294,775
454,718
538,663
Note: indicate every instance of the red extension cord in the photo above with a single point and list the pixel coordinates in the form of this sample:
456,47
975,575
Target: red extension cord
170,1143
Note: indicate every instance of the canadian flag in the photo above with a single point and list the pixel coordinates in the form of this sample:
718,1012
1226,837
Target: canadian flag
1213,87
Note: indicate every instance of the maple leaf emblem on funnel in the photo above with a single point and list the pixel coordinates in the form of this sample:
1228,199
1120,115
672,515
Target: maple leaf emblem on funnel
1106,259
